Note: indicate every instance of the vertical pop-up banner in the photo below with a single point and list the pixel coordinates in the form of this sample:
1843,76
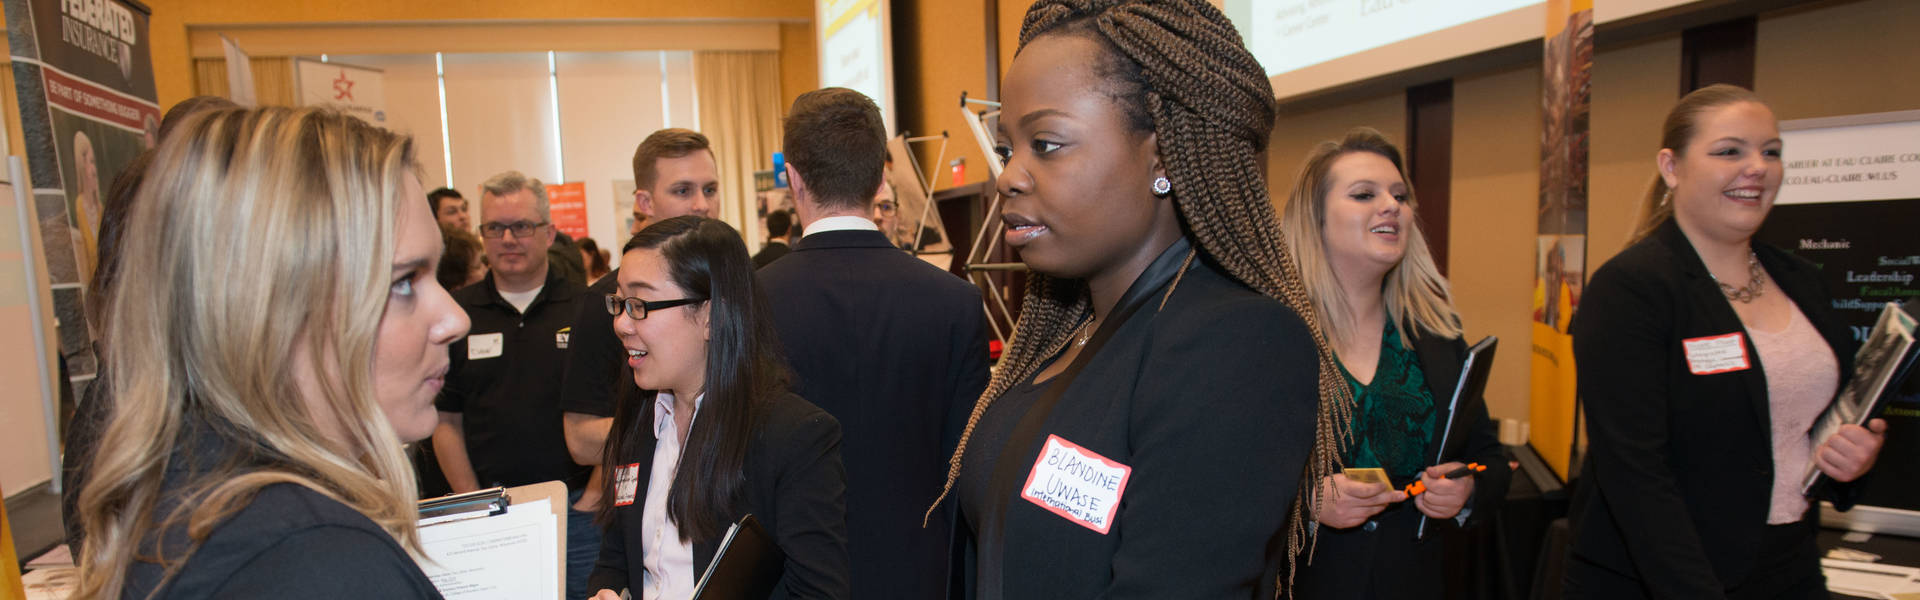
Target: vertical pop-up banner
84,76
1561,245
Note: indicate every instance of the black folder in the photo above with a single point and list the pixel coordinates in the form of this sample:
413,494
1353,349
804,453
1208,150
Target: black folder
1467,392
747,566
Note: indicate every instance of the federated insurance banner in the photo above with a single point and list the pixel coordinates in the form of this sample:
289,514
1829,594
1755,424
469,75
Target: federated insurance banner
1561,246
84,79
1850,202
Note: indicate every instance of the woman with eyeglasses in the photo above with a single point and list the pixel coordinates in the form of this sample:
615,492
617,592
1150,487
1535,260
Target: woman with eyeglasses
721,436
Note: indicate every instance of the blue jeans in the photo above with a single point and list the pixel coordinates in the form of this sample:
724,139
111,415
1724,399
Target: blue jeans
583,548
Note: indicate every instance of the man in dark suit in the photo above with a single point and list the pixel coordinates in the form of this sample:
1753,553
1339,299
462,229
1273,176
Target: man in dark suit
894,348
779,224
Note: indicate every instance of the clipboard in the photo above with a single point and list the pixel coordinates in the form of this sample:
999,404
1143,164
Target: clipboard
747,565
472,511
1467,392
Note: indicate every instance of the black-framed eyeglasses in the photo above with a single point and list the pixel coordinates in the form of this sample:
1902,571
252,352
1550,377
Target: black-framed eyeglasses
520,229
637,309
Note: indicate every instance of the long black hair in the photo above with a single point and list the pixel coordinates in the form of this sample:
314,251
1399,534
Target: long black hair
744,370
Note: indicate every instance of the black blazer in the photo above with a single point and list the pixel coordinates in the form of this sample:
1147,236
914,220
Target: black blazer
772,252
896,350
1679,470
1380,559
795,488
1211,400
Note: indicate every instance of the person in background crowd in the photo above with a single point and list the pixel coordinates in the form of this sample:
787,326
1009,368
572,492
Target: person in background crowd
722,437
677,175
464,262
1351,222
449,208
922,340
563,255
1704,358
500,419
254,446
82,434
779,224
597,259
1166,339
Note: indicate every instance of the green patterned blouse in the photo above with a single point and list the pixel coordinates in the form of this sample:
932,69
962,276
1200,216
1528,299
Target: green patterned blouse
1393,415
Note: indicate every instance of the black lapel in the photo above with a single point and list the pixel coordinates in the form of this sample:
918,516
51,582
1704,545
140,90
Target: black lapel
1702,291
1006,472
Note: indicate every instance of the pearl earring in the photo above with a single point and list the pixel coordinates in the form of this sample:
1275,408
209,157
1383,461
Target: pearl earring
1161,186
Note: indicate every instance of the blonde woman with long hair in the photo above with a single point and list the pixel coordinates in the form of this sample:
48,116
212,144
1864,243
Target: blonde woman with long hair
278,332
1385,308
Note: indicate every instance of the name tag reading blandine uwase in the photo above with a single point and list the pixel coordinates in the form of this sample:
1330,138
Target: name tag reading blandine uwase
1077,484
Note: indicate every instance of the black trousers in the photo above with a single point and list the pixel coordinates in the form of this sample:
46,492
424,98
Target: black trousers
1787,567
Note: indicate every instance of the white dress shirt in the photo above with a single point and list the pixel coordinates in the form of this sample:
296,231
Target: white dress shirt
840,223
669,561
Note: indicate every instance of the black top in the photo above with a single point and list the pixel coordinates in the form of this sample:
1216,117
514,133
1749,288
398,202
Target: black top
288,542
772,252
1210,400
976,470
1380,559
896,350
1679,472
795,487
597,370
77,448
509,403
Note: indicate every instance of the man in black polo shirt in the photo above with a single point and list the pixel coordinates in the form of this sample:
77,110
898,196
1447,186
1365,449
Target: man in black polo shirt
500,410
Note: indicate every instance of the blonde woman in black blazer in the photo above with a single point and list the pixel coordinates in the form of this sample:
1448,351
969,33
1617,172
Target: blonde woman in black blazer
1691,483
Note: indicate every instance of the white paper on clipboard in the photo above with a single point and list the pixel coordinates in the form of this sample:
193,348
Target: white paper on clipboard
515,555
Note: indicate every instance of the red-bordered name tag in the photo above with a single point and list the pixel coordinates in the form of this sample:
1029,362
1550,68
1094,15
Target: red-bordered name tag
1716,354
626,481
1077,484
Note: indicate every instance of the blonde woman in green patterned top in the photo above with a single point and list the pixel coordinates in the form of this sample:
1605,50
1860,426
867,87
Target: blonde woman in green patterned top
1385,308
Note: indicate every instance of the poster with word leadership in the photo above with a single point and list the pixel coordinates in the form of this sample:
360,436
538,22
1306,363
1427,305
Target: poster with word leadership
84,78
1850,203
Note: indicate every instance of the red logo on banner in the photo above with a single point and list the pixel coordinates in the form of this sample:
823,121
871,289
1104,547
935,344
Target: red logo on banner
343,87
567,203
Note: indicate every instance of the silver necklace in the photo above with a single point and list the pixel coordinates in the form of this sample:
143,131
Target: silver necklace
1756,281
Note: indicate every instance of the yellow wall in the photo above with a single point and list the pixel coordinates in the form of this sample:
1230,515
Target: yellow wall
1496,175
1296,133
799,62
1839,59
1633,86
952,58
173,65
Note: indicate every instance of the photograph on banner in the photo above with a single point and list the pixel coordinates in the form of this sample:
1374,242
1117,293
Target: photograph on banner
1849,202
1558,278
1566,96
91,154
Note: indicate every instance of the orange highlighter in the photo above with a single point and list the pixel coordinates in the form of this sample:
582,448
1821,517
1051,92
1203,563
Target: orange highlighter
1420,487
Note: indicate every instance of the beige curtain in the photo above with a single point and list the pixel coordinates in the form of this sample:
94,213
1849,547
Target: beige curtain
740,111
272,79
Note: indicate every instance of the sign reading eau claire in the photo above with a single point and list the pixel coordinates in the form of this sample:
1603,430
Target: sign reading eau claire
1851,164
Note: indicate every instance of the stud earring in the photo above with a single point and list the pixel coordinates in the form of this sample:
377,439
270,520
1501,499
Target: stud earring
1161,186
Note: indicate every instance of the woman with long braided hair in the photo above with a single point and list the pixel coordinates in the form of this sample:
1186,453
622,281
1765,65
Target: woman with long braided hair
1148,431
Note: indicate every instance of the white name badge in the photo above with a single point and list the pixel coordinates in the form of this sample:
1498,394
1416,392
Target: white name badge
626,481
1716,354
1077,483
485,345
